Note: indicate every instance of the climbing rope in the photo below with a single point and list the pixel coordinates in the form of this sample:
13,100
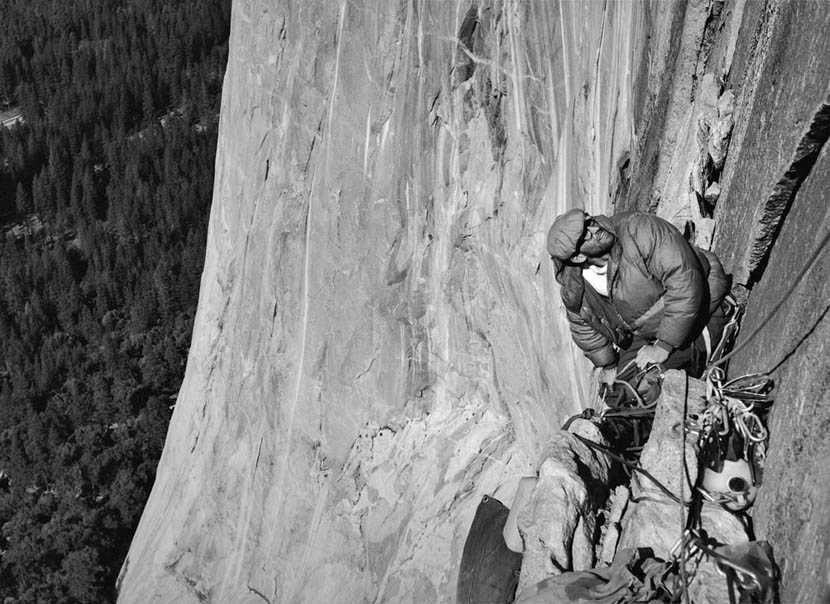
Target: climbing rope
646,376
633,465
731,430
735,403
629,416
684,521
690,550
805,269
687,554
729,333
731,405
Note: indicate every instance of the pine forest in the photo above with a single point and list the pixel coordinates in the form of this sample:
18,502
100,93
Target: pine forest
110,114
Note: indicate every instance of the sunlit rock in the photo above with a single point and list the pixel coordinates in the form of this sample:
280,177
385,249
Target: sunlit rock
558,523
612,524
379,340
654,518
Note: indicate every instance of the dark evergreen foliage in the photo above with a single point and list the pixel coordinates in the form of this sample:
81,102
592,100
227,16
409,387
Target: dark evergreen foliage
105,190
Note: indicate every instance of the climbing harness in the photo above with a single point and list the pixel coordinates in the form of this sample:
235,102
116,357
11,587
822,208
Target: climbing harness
627,419
630,404
635,387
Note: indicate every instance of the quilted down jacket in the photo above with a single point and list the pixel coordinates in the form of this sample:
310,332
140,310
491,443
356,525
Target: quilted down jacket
659,287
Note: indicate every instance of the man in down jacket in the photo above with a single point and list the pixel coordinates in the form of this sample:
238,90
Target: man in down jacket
635,289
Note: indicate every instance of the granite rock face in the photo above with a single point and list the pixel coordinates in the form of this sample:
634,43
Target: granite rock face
558,523
773,228
770,228
783,112
379,340
652,519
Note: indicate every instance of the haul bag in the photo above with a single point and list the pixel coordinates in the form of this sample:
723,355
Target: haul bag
489,570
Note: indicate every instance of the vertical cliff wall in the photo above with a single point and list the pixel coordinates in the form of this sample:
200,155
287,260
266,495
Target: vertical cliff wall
378,341
763,189
774,227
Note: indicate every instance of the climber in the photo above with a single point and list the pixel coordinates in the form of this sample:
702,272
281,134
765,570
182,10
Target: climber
635,290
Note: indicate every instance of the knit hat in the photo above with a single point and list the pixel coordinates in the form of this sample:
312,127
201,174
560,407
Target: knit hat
565,233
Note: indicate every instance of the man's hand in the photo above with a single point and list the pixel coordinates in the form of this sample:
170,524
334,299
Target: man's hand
651,355
607,376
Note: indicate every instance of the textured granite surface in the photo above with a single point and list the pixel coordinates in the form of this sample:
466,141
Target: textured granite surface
379,341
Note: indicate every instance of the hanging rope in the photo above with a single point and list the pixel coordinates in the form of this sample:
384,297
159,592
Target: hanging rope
683,521
810,262
613,455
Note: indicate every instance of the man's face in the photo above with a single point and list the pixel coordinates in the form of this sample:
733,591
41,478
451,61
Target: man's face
596,242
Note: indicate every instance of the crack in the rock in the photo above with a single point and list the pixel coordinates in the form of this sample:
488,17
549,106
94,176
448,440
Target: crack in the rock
257,592
777,205
465,65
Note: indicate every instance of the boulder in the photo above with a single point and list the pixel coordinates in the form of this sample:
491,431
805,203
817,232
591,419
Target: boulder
656,520
558,523
712,193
